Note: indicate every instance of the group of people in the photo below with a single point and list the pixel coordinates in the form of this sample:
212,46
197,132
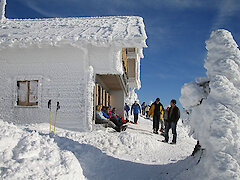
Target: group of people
167,118
109,117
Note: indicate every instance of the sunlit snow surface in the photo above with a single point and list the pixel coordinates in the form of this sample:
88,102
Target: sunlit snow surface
29,152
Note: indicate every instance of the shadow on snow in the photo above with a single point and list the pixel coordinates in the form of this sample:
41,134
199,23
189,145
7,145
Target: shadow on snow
98,165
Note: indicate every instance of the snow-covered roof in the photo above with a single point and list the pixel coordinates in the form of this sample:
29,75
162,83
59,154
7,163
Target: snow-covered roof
124,31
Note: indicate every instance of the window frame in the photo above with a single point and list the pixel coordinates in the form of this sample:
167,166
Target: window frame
39,92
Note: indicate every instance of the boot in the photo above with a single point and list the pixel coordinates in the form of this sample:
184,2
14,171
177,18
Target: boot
161,130
123,127
118,129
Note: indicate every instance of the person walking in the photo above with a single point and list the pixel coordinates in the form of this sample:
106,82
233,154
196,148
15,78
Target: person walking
173,117
156,112
126,109
143,108
135,109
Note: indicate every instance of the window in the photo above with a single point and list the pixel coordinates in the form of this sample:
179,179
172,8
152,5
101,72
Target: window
27,93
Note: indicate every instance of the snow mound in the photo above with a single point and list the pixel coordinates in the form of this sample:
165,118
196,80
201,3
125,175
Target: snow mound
26,154
213,110
125,31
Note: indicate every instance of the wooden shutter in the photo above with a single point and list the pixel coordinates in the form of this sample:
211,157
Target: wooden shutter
104,97
27,93
33,93
97,94
22,93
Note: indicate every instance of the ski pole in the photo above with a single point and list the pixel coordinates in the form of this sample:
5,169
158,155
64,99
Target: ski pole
58,107
50,113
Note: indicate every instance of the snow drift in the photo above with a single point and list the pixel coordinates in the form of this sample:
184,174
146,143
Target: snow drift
212,109
26,154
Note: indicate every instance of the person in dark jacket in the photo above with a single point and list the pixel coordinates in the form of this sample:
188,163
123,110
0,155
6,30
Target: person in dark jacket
143,108
173,117
135,109
156,112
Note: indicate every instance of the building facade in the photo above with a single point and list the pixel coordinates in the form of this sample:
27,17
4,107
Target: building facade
78,62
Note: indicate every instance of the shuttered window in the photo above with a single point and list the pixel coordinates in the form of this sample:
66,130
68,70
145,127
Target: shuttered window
27,93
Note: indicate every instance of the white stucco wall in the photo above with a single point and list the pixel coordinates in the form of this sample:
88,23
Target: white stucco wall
63,76
117,101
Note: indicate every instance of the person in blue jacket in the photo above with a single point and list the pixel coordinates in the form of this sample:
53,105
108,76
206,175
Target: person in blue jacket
127,109
135,109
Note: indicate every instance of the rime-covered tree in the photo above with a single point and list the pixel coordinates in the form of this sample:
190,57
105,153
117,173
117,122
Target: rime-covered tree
213,109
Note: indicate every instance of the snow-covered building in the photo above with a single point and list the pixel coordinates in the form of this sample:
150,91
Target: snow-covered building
78,62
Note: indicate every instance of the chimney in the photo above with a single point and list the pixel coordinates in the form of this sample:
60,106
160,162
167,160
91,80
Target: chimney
2,10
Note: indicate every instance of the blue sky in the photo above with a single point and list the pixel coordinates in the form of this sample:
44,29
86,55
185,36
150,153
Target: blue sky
176,29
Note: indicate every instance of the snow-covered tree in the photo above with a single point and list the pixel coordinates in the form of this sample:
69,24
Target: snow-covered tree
132,97
213,109
2,10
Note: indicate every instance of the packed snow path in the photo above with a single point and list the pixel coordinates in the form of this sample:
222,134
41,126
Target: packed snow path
101,154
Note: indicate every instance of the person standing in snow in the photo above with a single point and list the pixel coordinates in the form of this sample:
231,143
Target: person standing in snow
173,117
127,109
147,111
143,108
135,109
165,115
156,112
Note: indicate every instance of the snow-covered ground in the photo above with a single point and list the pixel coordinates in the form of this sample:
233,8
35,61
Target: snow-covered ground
28,152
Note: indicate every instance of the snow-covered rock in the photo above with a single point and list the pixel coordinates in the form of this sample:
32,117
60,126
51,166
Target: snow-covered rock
215,121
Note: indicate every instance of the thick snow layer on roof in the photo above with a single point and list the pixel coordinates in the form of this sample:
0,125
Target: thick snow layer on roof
215,120
126,31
